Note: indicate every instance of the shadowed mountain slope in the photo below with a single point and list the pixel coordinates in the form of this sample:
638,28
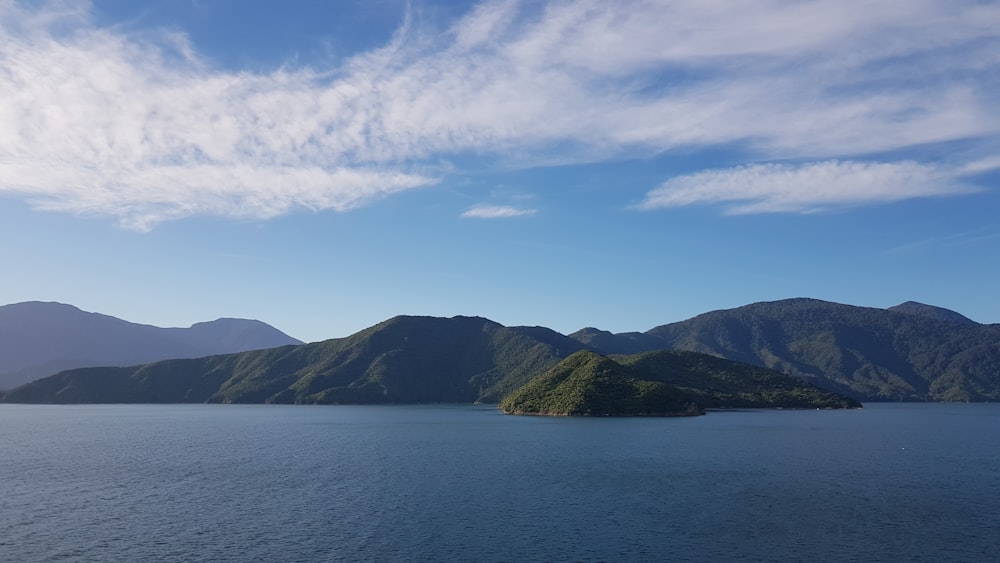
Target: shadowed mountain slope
714,382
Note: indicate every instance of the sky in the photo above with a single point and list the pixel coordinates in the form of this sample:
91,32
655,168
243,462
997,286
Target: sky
326,165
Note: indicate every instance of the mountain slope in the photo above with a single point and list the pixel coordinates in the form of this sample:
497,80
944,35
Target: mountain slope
401,360
932,312
621,343
38,339
867,353
715,382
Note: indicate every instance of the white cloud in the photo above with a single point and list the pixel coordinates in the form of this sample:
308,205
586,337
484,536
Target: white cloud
496,212
982,165
143,128
949,241
142,198
814,186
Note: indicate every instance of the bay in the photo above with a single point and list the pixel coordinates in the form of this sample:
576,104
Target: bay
892,482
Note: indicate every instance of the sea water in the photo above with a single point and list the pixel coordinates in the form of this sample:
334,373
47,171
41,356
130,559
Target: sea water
901,482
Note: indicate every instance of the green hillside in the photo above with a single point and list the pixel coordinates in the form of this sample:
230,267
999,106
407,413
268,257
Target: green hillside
718,383
589,384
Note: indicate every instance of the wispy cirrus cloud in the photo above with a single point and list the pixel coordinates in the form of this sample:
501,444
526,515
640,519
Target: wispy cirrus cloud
803,188
144,128
950,241
988,164
496,212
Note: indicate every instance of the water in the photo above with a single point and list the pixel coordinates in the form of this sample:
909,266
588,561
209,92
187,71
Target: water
463,483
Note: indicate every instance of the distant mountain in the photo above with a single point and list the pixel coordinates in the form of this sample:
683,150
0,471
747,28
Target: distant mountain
589,384
39,339
402,360
912,352
621,343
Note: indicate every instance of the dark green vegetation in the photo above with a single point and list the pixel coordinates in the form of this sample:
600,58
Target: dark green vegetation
911,352
587,383
932,312
719,383
39,339
662,384
402,360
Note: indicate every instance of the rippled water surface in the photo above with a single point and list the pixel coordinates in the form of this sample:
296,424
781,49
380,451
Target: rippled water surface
463,483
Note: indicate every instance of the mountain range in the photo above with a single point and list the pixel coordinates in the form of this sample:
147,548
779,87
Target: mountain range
402,360
911,352
38,339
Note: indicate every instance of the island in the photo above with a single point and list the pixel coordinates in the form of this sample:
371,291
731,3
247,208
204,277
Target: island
661,384
589,384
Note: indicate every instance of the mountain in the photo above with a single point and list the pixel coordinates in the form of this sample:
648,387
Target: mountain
39,339
589,384
621,343
402,360
714,382
911,352
932,312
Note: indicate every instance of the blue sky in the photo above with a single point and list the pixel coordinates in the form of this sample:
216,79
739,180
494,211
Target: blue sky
325,165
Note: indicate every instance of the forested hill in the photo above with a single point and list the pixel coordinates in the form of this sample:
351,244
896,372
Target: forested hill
719,383
402,360
590,384
932,312
912,352
662,384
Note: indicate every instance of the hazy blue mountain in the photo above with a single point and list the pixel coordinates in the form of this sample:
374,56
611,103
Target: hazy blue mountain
912,352
39,339
402,360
